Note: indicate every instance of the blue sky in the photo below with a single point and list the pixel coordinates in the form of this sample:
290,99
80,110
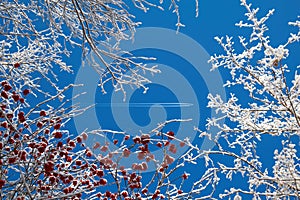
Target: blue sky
216,18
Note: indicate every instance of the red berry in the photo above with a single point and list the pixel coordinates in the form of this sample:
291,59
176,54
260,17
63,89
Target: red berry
41,149
173,148
9,116
49,166
104,148
26,91
88,153
124,193
69,159
136,140
170,135
21,117
145,190
169,159
72,143
16,97
103,181
39,124
23,157
79,139
84,136
12,160
16,136
31,145
126,137
96,145
182,144
4,94
78,162
57,135
57,126
126,152
7,87
11,141
43,113
99,195
52,179
16,65
22,100
2,183
184,176
4,124
66,190
3,83
159,144
100,173
75,182
145,138
3,107
107,193
59,144
58,120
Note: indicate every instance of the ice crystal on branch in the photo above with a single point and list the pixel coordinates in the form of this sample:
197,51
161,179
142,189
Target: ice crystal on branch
51,27
272,109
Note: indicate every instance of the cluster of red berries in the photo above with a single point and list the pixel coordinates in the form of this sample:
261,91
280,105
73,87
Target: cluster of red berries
6,92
